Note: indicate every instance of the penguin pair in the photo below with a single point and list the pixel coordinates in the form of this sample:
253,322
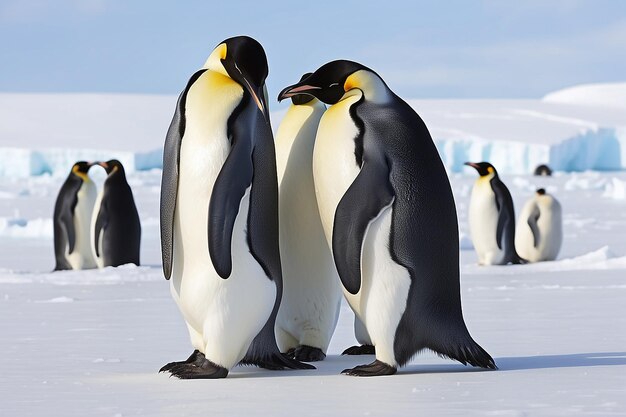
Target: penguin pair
92,230
388,215
492,222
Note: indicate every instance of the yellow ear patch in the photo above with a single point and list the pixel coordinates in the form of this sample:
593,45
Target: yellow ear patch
490,170
221,50
80,174
351,82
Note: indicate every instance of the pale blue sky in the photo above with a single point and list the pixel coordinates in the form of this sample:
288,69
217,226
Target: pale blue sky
437,49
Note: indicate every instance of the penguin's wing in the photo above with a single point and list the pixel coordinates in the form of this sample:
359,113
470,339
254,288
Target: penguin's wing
365,199
102,221
169,180
532,222
64,209
230,186
504,203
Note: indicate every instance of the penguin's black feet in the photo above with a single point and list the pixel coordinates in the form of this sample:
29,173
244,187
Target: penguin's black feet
360,350
306,353
196,358
206,370
376,368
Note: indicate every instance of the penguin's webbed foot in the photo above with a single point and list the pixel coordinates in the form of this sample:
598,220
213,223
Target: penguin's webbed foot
196,358
206,370
305,353
376,368
360,350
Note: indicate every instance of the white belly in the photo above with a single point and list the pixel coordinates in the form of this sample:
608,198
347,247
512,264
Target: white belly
381,300
223,315
82,257
311,293
483,223
334,163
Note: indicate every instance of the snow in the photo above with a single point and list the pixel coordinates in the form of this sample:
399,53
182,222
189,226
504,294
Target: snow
78,343
605,95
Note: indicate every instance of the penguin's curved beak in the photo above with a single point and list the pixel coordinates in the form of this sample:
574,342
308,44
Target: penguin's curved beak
295,89
472,164
103,165
258,95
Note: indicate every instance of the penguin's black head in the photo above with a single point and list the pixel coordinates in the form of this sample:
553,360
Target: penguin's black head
541,191
244,60
299,99
112,166
483,168
81,168
327,83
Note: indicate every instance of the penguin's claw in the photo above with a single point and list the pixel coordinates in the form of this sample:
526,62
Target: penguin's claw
306,353
360,350
376,368
195,358
207,370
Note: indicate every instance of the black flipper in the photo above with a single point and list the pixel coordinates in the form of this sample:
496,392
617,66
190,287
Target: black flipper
64,233
505,231
102,222
169,180
368,195
230,186
532,222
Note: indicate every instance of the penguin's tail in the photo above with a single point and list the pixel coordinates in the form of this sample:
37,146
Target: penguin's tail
264,352
470,353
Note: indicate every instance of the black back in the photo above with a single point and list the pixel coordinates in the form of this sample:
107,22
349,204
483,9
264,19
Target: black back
400,164
118,221
64,233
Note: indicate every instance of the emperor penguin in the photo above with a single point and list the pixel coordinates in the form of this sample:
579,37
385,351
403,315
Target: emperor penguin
542,170
72,219
492,218
115,222
219,215
311,294
539,231
388,214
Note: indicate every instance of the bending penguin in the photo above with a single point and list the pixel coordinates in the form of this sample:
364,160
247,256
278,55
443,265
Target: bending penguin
219,203
492,218
389,216
72,219
311,295
539,231
115,222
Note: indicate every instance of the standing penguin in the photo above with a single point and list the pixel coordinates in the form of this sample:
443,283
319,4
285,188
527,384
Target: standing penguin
219,215
115,222
539,231
311,296
72,219
388,214
492,218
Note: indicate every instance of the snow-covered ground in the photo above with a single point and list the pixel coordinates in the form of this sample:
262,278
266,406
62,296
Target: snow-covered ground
90,342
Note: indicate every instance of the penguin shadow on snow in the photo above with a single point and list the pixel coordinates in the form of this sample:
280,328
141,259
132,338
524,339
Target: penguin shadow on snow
572,360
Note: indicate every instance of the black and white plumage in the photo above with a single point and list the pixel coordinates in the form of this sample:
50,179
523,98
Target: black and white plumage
219,215
116,226
72,219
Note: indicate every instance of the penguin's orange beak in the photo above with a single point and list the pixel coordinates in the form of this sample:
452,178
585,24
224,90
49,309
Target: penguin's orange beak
297,89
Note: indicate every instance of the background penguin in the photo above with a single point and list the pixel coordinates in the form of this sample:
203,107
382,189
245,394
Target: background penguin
219,203
311,296
539,231
117,230
72,219
388,212
543,171
492,218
